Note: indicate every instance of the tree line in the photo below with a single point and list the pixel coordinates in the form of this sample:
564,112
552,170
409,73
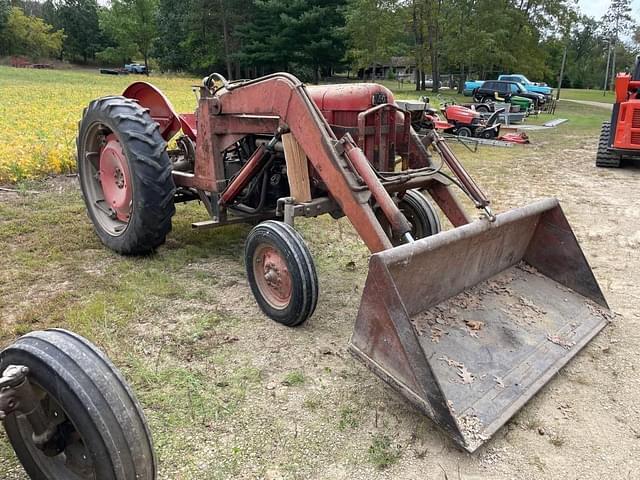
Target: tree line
317,38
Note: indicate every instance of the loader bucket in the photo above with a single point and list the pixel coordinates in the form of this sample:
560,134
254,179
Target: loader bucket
469,324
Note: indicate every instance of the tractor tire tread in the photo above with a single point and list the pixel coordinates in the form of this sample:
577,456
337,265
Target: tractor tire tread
150,170
98,400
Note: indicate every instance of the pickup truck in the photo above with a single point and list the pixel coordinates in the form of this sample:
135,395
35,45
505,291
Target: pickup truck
510,91
528,85
470,86
135,68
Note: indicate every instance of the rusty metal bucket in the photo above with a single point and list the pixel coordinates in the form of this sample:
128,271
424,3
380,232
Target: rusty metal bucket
469,324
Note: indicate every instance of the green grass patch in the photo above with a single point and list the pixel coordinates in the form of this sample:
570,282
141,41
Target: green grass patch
382,453
293,379
348,418
588,95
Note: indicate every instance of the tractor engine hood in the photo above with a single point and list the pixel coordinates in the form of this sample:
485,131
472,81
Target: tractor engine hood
336,101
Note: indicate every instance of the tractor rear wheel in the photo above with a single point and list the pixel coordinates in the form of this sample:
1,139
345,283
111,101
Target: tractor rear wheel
482,108
125,175
604,157
281,273
99,430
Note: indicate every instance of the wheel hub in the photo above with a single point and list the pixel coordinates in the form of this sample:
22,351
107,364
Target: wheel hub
115,179
118,175
273,277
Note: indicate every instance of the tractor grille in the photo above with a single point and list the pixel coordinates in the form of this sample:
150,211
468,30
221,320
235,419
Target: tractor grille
635,138
635,121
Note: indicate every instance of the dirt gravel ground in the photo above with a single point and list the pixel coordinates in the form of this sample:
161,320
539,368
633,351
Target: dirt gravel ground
301,408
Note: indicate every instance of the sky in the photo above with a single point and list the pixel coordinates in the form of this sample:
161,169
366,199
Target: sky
597,8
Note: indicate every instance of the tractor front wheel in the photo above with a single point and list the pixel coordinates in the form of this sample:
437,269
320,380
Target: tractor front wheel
95,427
125,175
604,157
281,273
420,213
422,216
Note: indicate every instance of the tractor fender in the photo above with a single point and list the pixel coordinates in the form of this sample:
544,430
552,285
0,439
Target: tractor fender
160,108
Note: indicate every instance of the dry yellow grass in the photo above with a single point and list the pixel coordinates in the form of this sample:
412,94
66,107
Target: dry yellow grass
40,109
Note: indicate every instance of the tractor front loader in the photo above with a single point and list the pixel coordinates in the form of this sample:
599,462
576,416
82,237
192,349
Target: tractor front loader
467,324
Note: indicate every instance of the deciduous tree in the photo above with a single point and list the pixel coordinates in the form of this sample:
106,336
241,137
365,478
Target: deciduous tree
31,36
133,24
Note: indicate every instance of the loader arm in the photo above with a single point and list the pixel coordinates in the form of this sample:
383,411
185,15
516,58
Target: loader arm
340,163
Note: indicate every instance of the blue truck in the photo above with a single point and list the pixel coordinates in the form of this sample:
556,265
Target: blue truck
528,85
470,86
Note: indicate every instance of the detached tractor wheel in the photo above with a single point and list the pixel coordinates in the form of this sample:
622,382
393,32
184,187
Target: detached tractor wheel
420,213
605,158
125,175
281,273
464,132
99,430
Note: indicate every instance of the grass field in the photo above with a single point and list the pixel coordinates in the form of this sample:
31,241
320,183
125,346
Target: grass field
588,95
39,111
229,393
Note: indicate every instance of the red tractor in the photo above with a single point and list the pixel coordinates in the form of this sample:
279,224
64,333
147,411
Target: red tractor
268,150
620,138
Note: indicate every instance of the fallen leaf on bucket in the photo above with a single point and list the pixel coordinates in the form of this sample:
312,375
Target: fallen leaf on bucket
474,324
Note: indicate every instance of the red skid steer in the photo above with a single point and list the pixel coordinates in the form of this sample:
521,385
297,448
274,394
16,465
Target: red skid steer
467,324
620,138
